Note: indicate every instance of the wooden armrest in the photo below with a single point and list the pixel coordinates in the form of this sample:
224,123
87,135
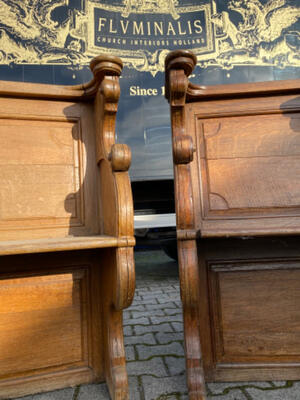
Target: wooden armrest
63,244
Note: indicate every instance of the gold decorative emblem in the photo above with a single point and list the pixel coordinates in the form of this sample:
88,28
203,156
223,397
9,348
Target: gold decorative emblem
142,32
261,38
151,6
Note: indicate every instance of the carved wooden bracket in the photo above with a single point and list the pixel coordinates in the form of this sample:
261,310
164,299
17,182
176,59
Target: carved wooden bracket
183,149
120,157
101,67
179,60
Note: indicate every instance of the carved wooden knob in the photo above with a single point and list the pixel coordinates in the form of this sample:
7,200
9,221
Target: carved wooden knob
120,157
183,149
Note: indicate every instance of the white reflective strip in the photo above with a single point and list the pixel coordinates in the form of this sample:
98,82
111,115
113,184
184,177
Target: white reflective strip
154,221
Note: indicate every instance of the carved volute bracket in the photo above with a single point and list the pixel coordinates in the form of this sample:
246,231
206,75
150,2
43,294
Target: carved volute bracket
101,67
179,65
113,159
176,86
120,157
183,149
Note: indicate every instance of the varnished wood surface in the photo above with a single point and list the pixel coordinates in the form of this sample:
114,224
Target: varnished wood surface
63,244
249,308
236,153
66,235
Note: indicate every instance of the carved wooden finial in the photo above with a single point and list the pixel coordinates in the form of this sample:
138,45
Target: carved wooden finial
120,157
178,60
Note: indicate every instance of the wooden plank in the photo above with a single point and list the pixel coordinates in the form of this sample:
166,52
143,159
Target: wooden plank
59,244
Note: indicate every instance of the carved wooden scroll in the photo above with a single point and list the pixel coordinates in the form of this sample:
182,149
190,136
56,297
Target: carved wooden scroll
179,65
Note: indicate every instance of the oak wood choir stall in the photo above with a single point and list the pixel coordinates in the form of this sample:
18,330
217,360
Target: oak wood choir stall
236,152
66,231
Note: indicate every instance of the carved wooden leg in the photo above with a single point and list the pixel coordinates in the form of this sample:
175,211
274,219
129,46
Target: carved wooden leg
118,290
115,363
189,287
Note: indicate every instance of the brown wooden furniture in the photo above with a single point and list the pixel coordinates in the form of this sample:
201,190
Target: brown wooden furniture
66,235
236,151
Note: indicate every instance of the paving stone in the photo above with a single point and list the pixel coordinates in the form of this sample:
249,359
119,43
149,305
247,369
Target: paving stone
154,283
172,293
64,394
140,314
150,297
127,315
151,293
130,354
167,337
223,388
170,305
235,394
135,391
127,331
154,366
177,326
144,289
176,365
173,311
178,303
155,387
144,352
144,302
147,338
93,392
166,318
140,329
136,298
137,321
137,307
166,297
288,393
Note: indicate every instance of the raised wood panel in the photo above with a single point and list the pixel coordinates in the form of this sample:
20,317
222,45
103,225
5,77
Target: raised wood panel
246,165
39,168
43,320
256,313
47,170
246,136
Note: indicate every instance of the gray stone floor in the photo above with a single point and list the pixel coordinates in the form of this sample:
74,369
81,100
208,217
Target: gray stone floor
153,334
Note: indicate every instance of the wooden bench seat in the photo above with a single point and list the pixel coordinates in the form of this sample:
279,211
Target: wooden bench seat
66,235
236,153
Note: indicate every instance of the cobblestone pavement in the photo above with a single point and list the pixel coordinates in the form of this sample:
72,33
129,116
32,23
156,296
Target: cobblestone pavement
153,335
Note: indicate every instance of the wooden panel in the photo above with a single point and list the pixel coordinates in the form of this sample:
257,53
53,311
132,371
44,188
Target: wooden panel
246,164
47,169
256,313
39,168
42,323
